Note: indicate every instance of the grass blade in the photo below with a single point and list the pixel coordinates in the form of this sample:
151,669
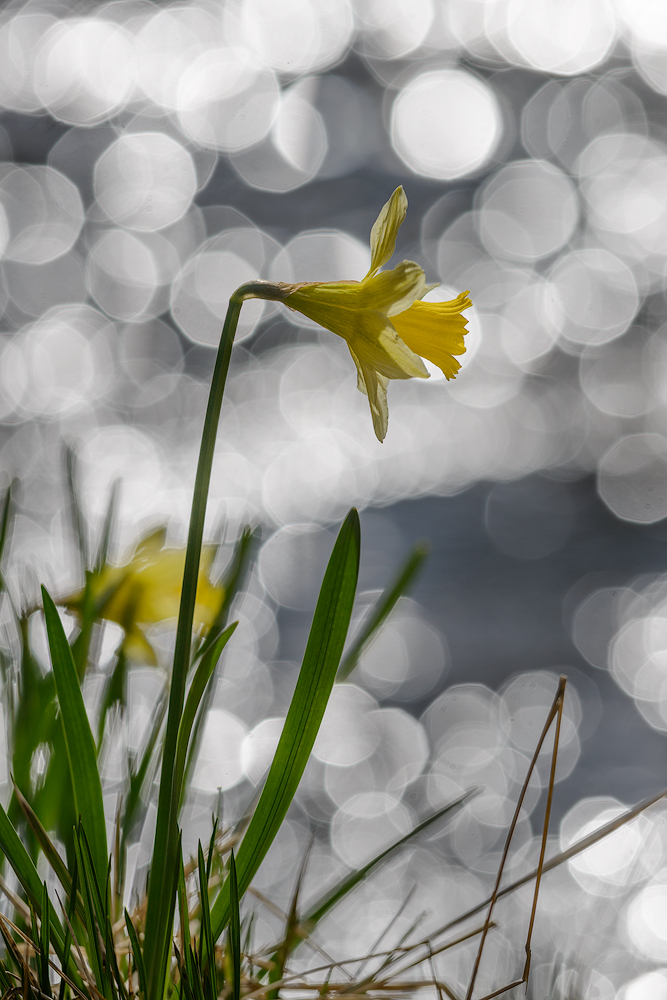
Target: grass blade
48,848
187,963
206,945
235,929
79,740
5,521
78,520
138,777
92,905
107,527
137,957
24,868
316,677
346,884
383,608
200,680
44,940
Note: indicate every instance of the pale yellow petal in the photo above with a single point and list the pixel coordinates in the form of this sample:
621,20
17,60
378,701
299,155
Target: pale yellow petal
373,385
435,330
385,229
392,292
149,545
138,648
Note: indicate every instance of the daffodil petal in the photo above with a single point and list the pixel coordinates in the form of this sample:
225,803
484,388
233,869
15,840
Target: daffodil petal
385,229
392,292
373,385
138,648
435,330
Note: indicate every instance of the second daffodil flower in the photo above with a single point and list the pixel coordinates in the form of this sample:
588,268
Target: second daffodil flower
387,327
147,590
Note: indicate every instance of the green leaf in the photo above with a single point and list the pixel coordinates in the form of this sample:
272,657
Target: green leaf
185,920
235,929
345,885
5,520
94,921
202,676
50,851
107,527
112,694
384,606
206,946
44,941
316,678
137,957
79,741
78,520
27,874
231,584
138,777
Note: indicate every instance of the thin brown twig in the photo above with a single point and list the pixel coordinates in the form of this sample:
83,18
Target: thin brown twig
555,710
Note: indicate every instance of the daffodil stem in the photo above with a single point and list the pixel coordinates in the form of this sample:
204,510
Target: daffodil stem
161,886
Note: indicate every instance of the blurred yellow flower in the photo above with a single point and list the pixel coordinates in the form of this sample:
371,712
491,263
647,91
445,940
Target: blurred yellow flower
147,589
388,329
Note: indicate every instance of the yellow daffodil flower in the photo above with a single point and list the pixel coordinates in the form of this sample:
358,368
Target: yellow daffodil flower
388,329
147,589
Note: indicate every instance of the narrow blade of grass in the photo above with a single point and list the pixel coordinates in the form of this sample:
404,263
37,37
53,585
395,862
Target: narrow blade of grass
48,848
44,941
316,679
187,964
27,874
78,520
5,521
231,584
138,777
338,891
206,945
383,608
79,740
137,957
200,680
90,893
234,929
107,527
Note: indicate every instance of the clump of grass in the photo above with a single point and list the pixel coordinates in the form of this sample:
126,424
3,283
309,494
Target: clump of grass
71,933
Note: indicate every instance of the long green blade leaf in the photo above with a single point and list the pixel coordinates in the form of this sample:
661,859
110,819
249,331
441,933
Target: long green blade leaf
90,893
235,930
316,678
79,741
5,518
384,606
78,520
49,849
107,527
197,688
345,885
137,957
13,849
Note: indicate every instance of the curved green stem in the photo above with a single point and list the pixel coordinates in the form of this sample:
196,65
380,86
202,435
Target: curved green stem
162,880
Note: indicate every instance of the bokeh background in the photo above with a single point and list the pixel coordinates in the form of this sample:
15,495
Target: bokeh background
153,157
